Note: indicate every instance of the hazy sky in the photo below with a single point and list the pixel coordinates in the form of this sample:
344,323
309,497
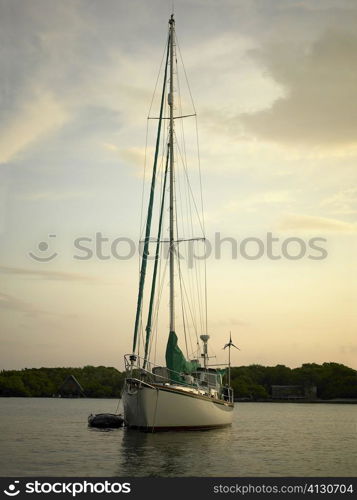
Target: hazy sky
274,84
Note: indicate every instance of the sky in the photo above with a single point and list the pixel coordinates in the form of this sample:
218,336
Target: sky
274,85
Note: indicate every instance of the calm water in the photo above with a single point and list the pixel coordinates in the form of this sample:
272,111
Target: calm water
50,437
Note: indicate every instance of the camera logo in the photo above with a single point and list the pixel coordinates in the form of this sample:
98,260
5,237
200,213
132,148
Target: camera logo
43,247
12,489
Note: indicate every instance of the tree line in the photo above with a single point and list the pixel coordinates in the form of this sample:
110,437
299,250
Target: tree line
332,380
96,381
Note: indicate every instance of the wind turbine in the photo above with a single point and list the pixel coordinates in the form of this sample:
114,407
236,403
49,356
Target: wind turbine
230,345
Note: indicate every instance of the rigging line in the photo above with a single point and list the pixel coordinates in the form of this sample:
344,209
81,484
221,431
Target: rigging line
203,221
184,69
142,225
147,129
179,240
162,274
174,117
185,166
184,310
192,299
183,158
162,191
196,268
190,277
180,281
182,132
164,141
202,306
189,308
160,173
197,281
182,123
165,137
143,185
203,318
203,224
204,322
155,328
153,286
178,183
140,339
155,322
199,292
190,189
158,76
150,207
158,303
195,264
200,175
172,177
184,316
188,326
178,177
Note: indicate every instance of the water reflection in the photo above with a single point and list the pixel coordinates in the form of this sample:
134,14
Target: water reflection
50,437
171,453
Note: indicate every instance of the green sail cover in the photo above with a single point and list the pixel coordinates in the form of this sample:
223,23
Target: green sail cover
176,361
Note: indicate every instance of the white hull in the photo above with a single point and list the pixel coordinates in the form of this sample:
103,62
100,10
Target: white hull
158,407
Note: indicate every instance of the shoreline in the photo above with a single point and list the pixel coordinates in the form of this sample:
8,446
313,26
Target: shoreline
297,401
305,401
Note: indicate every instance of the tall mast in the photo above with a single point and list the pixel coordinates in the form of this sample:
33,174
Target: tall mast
172,159
149,217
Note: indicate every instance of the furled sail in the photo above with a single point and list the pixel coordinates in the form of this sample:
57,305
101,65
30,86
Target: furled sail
176,361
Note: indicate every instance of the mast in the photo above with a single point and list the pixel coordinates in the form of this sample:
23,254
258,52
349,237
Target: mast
149,217
153,284
172,159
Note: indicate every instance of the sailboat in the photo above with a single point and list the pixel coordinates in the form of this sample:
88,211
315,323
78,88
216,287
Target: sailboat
186,394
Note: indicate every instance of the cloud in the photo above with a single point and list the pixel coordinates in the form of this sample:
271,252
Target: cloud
311,223
138,158
228,323
46,275
320,83
317,5
255,202
13,304
134,156
343,202
349,349
49,195
41,115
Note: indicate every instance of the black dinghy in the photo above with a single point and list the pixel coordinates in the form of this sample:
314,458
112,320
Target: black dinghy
105,420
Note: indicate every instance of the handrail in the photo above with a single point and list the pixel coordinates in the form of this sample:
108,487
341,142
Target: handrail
144,383
130,367
134,364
